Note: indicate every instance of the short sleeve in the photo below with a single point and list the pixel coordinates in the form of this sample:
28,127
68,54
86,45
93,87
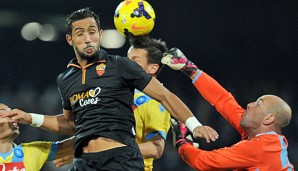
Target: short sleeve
133,73
65,102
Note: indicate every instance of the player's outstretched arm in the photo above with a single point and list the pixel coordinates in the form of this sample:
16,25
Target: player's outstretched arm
59,123
179,110
208,87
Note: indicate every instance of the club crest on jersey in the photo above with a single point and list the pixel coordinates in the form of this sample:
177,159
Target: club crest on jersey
18,153
100,69
140,100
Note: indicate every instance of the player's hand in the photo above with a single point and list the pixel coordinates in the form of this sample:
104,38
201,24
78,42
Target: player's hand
181,135
4,119
17,115
63,160
176,60
205,132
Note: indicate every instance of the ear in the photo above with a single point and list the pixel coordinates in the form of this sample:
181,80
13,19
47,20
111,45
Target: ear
269,119
100,34
68,39
153,68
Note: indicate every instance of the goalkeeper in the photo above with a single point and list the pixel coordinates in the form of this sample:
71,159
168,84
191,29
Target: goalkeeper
262,147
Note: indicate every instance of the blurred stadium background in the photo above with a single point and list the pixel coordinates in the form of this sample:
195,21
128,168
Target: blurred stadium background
250,47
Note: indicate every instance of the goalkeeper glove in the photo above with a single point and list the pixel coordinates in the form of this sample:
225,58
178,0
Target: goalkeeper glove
176,60
181,135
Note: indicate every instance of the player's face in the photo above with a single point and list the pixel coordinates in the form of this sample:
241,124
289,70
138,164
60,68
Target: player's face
255,113
85,38
140,56
8,130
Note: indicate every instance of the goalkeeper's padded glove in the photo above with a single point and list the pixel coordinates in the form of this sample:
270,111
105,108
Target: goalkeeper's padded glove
181,135
176,60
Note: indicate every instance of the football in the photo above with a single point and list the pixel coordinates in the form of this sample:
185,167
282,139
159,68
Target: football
134,16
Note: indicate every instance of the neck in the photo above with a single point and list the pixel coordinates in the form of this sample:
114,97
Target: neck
266,131
251,132
6,146
251,137
83,63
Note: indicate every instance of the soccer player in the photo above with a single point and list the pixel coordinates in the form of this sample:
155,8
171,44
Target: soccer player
26,156
262,147
97,92
152,120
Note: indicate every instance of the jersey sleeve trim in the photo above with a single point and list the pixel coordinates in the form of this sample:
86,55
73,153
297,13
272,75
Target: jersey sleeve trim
53,151
155,133
197,76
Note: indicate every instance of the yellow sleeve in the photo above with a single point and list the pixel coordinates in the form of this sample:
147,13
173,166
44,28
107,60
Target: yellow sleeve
157,121
151,118
36,154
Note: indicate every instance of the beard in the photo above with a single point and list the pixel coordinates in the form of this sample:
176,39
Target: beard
87,57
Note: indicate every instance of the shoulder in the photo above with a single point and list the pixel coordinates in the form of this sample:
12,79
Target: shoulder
253,141
37,144
246,146
62,76
120,59
72,67
145,101
141,98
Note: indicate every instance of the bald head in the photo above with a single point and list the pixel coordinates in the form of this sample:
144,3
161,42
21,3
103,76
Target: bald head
280,109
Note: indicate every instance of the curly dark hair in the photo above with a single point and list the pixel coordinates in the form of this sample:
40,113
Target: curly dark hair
154,47
79,15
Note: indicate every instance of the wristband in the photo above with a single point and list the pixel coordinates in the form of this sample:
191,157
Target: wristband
197,76
37,119
191,123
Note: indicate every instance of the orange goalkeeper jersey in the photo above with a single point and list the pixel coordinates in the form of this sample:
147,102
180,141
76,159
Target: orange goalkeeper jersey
265,152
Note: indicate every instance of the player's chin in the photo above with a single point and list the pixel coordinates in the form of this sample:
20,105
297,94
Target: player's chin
15,133
16,130
90,54
243,123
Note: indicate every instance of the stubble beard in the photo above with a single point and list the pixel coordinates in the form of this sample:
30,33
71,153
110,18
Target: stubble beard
86,57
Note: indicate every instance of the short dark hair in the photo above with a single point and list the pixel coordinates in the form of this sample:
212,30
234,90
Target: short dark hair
79,15
154,47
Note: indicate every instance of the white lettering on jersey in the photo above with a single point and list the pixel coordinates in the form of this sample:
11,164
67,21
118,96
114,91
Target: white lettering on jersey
89,101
